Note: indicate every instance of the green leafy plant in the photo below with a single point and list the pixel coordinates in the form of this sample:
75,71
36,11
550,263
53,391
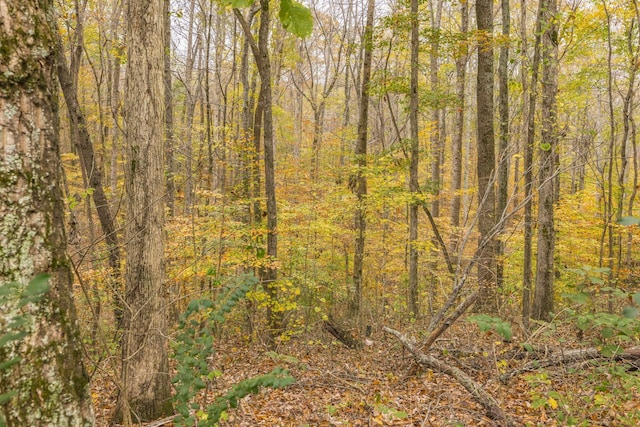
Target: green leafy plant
487,323
194,346
611,330
17,296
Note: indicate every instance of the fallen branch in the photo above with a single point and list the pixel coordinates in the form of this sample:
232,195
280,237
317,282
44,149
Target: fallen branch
570,357
464,306
488,402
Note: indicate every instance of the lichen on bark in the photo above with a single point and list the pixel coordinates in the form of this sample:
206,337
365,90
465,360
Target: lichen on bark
49,383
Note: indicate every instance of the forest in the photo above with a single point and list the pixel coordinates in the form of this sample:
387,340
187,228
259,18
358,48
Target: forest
319,213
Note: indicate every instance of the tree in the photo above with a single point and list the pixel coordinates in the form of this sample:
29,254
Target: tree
50,386
145,368
545,269
168,113
358,182
486,159
297,19
530,109
86,152
264,119
503,147
413,166
456,166
437,114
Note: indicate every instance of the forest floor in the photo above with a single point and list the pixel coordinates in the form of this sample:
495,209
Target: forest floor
380,386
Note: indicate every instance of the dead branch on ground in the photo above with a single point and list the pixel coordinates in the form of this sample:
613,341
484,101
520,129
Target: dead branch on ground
488,402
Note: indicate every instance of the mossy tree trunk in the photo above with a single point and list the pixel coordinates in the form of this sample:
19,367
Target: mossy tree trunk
545,270
49,383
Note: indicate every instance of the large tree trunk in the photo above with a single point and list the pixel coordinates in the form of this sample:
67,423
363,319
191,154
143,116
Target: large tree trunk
486,160
413,167
545,271
146,389
49,382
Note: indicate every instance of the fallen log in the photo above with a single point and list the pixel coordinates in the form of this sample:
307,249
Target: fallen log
488,402
573,356
341,334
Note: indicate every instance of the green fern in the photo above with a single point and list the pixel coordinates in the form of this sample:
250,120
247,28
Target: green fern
14,294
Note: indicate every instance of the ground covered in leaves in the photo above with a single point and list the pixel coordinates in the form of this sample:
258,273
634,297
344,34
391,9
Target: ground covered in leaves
380,386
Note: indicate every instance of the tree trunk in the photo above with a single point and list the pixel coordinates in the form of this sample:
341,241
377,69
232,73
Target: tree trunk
189,111
545,270
48,383
413,167
264,111
503,148
437,148
264,67
94,172
146,389
528,169
456,149
359,181
168,112
486,161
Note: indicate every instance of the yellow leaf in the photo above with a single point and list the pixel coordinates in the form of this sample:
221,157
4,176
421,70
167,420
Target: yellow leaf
552,403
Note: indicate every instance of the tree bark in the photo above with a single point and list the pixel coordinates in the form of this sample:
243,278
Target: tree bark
168,112
49,382
359,181
437,148
146,389
413,166
486,160
528,170
456,149
503,148
545,269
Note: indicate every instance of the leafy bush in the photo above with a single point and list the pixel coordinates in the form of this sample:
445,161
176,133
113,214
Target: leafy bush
193,348
487,323
610,330
16,296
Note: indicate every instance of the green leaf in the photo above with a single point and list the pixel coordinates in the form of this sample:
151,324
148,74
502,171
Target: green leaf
578,298
8,289
38,286
630,312
5,397
237,4
9,363
7,338
628,220
545,146
504,330
296,18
